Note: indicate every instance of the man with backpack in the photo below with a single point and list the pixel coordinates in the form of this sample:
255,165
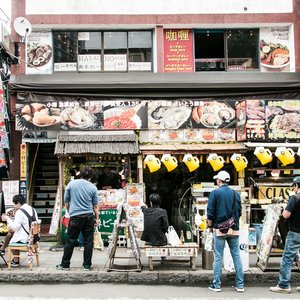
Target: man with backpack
292,242
24,216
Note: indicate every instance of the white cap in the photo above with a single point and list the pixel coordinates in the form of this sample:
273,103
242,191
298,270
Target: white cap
223,175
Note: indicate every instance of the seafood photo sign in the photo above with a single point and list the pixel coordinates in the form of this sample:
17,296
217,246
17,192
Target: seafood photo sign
39,53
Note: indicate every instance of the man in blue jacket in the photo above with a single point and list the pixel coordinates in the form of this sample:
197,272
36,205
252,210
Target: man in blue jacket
221,207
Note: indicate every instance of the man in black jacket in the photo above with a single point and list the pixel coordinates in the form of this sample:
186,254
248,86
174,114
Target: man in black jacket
155,222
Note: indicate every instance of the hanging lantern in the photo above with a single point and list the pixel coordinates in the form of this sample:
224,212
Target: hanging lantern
239,161
192,162
170,162
264,155
285,155
217,162
152,162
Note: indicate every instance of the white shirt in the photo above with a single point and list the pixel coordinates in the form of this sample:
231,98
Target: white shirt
20,234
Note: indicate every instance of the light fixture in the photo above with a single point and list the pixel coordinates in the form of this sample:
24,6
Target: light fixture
217,162
264,155
239,161
192,162
152,162
285,155
170,162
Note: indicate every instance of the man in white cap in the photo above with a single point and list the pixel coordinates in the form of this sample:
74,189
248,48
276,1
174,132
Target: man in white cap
223,204
292,242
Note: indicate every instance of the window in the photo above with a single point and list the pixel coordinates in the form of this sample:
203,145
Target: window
226,50
65,51
96,51
139,51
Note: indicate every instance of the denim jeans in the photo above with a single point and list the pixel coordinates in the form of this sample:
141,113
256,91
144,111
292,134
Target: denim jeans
84,224
219,245
292,246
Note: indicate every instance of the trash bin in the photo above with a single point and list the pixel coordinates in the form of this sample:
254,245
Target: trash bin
207,256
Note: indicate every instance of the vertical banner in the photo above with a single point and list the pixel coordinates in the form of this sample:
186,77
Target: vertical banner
178,50
275,49
23,162
39,53
241,119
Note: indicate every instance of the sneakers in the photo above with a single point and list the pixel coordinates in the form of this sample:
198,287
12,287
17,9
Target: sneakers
278,289
60,267
2,252
212,287
81,248
14,263
240,290
86,268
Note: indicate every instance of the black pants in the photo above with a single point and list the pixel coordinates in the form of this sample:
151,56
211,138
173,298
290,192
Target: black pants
85,224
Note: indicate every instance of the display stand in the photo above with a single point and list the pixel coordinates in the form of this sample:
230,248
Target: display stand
265,244
122,222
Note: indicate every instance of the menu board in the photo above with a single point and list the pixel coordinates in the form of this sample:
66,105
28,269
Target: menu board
283,119
272,214
178,50
10,189
135,199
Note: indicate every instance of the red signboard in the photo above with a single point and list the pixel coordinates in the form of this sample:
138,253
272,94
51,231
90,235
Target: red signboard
178,50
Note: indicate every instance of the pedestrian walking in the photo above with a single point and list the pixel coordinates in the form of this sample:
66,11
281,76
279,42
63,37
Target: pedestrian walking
292,242
81,202
224,203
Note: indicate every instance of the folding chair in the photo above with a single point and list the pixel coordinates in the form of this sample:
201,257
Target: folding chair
32,247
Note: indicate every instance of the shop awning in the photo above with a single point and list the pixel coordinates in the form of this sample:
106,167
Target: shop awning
160,85
272,145
82,143
193,148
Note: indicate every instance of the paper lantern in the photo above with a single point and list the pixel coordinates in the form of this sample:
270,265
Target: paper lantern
217,162
285,155
170,162
264,155
192,162
152,162
239,161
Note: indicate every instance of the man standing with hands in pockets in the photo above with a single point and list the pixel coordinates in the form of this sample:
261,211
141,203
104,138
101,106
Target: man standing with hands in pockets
223,204
81,202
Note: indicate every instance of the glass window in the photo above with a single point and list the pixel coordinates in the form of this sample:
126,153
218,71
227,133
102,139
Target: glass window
115,51
65,51
89,51
139,50
243,48
209,50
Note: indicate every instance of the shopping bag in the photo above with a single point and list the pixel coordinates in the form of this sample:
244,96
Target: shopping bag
98,242
172,237
209,241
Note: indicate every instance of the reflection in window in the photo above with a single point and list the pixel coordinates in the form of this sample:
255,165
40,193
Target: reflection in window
139,50
115,51
209,50
65,51
242,49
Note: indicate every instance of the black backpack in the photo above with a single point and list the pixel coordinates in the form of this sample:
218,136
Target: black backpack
31,219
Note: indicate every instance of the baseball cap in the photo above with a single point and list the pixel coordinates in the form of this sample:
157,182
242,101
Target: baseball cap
296,180
222,175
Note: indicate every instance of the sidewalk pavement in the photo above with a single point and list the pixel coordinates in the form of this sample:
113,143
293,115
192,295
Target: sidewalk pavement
165,272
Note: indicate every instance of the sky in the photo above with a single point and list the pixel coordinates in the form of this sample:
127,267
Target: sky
5,5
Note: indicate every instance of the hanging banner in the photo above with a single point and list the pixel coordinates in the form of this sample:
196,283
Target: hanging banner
275,50
23,162
39,53
178,51
283,119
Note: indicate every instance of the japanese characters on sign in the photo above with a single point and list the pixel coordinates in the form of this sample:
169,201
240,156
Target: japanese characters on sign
178,50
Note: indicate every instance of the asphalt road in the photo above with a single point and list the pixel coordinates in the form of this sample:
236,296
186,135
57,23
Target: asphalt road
125,291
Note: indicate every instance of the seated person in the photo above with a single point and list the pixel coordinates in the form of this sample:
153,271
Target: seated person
155,223
20,225
109,180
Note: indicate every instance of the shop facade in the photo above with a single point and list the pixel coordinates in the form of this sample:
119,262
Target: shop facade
114,95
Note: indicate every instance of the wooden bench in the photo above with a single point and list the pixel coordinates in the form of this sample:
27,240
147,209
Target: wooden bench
186,250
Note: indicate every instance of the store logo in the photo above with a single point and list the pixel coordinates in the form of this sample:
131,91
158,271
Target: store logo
244,247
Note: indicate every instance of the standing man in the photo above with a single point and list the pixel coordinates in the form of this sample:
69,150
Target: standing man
292,242
20,226
221,207
81,202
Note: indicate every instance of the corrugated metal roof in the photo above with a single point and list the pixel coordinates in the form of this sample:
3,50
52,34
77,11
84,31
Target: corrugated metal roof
96,144
193,148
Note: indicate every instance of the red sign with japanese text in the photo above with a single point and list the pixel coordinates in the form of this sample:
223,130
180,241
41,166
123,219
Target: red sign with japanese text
178,50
